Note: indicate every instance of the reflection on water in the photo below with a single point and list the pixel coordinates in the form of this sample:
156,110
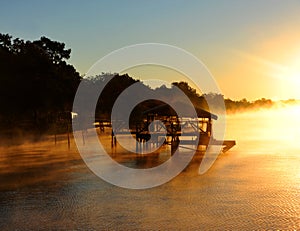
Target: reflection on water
256,185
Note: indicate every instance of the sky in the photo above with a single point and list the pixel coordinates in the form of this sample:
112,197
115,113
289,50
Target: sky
252,48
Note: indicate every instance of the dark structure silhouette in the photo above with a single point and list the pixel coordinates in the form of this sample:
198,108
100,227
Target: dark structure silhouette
37,88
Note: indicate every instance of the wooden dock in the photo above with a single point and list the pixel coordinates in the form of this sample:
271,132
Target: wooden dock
171,129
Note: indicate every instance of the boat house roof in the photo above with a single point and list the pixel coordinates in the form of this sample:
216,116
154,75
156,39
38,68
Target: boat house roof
167,110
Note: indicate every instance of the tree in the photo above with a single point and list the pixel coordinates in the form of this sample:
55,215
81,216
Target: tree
35,80
55,50
5,42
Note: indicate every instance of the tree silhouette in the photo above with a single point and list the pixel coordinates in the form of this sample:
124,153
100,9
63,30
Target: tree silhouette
54,50
35,80
5,42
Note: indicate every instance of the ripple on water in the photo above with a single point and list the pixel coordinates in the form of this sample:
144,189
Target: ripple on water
245,190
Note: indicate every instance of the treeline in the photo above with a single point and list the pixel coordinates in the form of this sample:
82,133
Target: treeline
119,83
36,82
242,105
37,86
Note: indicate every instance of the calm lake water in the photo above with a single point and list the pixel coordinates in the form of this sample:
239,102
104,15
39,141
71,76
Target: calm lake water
254,186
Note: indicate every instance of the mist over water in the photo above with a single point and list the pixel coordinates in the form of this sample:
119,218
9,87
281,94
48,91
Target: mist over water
256,185
279,126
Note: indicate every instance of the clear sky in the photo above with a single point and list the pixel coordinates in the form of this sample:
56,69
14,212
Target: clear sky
251,47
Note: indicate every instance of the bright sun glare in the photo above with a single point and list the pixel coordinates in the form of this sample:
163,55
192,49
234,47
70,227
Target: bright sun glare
293,71
290,125
288,75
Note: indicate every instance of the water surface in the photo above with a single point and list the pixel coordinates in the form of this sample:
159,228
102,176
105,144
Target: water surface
254,186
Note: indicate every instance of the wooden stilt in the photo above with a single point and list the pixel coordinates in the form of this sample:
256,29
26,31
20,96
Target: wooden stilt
68,137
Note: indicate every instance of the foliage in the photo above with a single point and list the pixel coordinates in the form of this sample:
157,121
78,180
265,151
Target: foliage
35,80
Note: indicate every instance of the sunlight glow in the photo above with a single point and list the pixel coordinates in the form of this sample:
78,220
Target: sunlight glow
285,72
291,69
279,125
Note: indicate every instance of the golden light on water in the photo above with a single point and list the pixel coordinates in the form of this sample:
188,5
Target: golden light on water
258,178
287,120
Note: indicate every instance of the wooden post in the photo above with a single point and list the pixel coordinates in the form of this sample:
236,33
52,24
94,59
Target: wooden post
112,138
174,146
209,127
68,136
55,131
